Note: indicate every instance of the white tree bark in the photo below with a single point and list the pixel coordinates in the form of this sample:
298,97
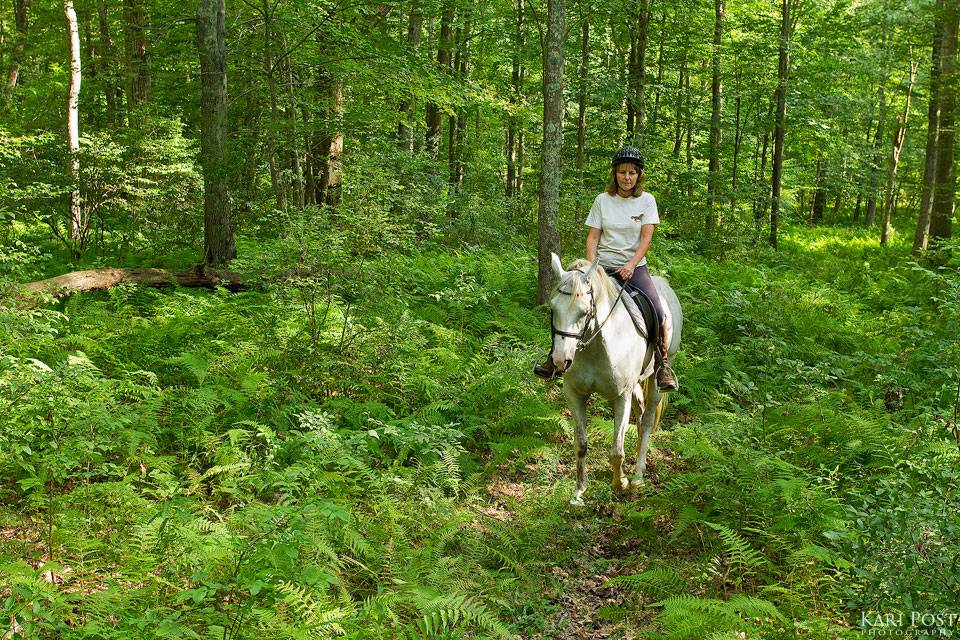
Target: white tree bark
77,226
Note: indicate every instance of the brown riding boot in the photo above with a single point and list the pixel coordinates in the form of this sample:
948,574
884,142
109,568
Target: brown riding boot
546,370
666,381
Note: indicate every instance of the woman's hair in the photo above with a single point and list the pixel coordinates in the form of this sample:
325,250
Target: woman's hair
637,188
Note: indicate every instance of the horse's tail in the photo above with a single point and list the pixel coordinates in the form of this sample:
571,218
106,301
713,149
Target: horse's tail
640,395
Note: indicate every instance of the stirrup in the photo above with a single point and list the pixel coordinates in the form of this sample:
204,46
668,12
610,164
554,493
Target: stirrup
546,370
666,379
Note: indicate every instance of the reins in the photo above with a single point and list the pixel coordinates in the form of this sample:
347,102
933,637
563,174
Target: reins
591,316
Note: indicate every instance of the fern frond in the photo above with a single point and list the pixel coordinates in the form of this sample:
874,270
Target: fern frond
446,613
653,582
738,550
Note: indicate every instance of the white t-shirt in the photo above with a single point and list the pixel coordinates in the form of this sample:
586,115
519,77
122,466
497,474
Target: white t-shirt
619,220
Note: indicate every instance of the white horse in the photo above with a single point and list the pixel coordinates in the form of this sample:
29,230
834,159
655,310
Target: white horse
598,347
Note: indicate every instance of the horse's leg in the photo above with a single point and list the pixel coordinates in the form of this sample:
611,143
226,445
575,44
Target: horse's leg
621,420
578,407
645,426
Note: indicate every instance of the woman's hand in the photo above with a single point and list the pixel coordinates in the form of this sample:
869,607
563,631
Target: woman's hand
626,271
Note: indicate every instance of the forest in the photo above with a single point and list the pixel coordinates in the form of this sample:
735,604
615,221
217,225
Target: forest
273,278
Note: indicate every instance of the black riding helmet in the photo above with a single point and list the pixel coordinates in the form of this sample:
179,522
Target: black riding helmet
628,154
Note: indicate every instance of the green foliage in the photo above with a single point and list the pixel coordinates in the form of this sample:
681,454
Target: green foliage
312,459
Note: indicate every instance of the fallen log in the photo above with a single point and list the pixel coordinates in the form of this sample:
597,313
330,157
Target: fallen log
100,279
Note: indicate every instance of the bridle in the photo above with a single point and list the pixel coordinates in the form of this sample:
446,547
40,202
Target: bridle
590,317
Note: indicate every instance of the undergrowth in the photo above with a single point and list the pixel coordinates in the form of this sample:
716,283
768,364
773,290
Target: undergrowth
313,459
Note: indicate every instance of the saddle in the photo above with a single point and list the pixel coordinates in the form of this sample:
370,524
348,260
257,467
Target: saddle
641,309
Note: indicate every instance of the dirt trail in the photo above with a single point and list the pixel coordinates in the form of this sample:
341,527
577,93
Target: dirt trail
583,605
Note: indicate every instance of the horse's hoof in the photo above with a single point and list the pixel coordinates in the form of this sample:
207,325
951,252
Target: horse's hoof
623,485
637,482
576,501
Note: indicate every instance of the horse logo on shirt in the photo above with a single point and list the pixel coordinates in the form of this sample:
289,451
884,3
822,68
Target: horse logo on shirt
637,218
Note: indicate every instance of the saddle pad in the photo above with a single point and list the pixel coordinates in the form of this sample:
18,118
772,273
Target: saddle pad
647,310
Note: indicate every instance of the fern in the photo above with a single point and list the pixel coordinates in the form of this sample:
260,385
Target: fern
657,583
689,617
447,612
301,611
738,550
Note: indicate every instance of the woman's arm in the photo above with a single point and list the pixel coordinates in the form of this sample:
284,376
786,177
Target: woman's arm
646,235
593,241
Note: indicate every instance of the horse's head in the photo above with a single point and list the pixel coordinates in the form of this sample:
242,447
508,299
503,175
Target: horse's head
574,309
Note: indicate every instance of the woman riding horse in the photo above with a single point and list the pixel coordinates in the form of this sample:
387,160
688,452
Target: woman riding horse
621,221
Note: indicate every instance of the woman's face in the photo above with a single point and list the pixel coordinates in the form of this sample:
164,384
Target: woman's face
627,176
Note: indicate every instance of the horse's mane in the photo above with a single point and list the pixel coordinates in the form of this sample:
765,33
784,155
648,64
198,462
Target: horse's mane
604,287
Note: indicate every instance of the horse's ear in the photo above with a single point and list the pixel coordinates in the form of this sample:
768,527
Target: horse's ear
593,267
555,264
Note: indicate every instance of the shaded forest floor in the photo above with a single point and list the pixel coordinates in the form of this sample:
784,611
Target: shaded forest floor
367,455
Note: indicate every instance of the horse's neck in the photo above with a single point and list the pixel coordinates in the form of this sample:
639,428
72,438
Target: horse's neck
619,332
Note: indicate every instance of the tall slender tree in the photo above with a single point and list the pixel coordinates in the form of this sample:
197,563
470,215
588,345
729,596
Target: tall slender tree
22,25
899,136
434,120
514,141
583,75
713,183
137,56
637,72
779,129
921,235
875,170
76,221
944,191
407,121
550,151
218,239
108,61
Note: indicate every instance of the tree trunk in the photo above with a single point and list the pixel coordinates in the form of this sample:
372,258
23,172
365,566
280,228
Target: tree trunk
941,219
279,193
759,179
463,70
654,116
135,48
100,279
899,136
331,146
688,125
218,240
783,67
434,120
20,21
407,121
922,232
296,183
458,121
637,73
737,140
550,167
713,181
678,109
836,204
108,62
310,169
521,155
871,215
77,224
819,194
90,50
516,95
582,95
